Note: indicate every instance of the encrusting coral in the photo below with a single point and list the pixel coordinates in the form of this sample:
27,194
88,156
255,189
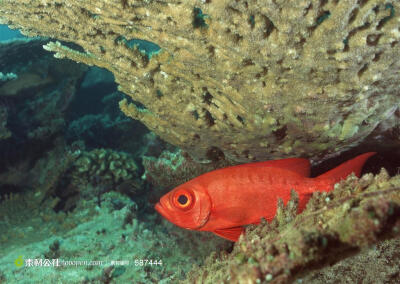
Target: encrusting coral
253,80
334,226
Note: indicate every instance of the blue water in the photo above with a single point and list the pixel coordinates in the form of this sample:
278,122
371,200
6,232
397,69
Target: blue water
7,33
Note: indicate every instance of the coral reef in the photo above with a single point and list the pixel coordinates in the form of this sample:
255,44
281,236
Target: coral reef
334,226
110,232
378,263
254,79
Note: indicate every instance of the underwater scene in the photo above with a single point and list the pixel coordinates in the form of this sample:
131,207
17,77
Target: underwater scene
200,141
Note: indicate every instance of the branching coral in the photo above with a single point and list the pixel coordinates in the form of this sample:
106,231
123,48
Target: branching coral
253,79
359,212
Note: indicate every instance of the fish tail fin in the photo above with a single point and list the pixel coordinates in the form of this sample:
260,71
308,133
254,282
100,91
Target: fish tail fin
352,166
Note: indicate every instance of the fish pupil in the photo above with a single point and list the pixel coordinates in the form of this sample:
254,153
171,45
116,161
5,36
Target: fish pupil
182,199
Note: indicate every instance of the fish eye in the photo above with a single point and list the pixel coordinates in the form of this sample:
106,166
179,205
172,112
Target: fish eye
183,199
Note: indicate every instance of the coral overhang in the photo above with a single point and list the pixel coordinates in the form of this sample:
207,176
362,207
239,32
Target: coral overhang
253,80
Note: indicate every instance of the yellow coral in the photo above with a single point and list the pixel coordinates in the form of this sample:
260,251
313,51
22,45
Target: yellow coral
314,75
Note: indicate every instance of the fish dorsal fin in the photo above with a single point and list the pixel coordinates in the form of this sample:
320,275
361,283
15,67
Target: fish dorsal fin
231,234
297,165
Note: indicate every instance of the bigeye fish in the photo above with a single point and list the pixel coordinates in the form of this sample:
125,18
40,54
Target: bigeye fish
224,200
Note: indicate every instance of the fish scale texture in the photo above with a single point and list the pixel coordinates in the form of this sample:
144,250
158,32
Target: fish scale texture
246,80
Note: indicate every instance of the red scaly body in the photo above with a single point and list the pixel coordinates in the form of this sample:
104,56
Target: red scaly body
224,200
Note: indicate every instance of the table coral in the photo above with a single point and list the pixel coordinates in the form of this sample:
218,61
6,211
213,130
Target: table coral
334,226
253,79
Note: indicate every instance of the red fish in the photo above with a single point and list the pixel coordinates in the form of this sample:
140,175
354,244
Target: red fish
224,200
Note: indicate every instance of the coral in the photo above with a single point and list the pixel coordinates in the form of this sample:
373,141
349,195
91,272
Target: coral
98,232
255,79
171,169
335,225
378,263
4,132
104,166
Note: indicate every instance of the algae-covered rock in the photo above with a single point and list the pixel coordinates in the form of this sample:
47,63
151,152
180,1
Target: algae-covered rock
254,80
107,233
334,226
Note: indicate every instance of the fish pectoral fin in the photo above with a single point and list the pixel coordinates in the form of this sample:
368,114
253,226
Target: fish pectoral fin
231,234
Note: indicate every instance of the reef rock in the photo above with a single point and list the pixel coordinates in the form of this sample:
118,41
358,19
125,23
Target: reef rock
253,80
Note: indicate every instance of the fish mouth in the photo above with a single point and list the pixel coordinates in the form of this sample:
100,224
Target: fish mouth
159,208
163,212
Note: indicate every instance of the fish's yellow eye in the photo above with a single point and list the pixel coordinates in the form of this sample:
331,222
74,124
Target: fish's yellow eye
183,199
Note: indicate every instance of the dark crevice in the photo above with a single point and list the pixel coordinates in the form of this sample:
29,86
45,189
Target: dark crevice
352,33
372,40
387,18
377,56
240,119
252,21
307,9
211,50
269,27
262,73
215,154
199,18
362,2
208,118
159,94
237,38
325,15
353,15
362,70
207,97
195,114
247,62
322,3
280,133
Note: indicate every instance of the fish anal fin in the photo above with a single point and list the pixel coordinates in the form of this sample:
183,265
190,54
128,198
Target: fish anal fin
231,234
